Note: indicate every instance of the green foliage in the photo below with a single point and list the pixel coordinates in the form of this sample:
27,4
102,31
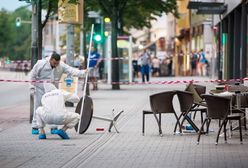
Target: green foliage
138,14
132,14
15,42
5,33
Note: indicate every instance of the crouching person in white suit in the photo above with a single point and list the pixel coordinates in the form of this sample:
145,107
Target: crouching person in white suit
53,111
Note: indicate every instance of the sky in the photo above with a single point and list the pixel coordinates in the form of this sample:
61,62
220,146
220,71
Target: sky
11,5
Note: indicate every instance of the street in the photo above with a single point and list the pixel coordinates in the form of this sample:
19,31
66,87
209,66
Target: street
171,59
129,148
14,104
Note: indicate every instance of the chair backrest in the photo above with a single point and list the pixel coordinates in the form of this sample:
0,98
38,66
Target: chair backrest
218,107
162,102
196,97
200,89
234,88
243,100
185,100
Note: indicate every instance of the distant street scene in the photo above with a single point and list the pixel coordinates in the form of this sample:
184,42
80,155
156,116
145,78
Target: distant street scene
122,83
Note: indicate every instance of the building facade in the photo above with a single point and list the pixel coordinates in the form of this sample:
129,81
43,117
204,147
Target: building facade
231,40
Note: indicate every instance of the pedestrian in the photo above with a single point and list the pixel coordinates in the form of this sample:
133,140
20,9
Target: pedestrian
145,65
193,62
94,67
26,68
50,69
135,69
78,61
155,66
139,67
53,111
202,63
170,63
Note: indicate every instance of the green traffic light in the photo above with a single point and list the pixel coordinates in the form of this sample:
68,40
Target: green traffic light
18,22
98,37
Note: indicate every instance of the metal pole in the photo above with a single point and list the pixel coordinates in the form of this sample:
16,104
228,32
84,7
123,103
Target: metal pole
34,45
70,45
34,48
82,35
81,40
109,63
39,28
70,51
130,58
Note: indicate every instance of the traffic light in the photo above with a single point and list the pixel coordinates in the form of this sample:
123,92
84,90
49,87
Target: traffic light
107,26
18,22
98,33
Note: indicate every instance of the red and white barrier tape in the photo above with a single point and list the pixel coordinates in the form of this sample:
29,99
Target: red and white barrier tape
110,58
133,83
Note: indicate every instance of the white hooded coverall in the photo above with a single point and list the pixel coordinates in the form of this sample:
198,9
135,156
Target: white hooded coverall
53,110
43,71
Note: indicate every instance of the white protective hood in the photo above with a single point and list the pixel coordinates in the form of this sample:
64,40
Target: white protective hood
49,87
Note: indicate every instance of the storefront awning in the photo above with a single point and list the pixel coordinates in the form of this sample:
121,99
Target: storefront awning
198,4
212,10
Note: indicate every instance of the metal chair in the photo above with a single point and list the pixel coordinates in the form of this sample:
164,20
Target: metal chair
161,103
219,108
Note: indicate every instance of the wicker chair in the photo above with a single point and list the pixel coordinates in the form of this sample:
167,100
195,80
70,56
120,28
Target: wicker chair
196,90
161,103
200,89
219,108
199,104
186,104
243,105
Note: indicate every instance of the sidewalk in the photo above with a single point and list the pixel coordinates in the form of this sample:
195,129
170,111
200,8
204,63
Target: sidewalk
129,148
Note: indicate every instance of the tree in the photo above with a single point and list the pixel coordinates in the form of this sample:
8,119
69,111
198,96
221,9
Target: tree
15,41
123,13
22,35
5,33
127,13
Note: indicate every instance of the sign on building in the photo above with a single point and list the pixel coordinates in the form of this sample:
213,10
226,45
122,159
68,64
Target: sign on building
69,12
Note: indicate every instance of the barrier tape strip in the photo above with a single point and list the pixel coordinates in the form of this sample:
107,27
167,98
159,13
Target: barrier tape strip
118,58
132,83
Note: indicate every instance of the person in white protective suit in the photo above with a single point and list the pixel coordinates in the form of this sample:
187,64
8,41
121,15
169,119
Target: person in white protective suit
53,111
49,69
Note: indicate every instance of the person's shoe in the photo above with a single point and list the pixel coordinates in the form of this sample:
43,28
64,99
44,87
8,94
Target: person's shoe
54,130
63,134
35,131
42,136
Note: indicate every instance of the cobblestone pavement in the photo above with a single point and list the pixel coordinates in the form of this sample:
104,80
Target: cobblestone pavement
95,149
